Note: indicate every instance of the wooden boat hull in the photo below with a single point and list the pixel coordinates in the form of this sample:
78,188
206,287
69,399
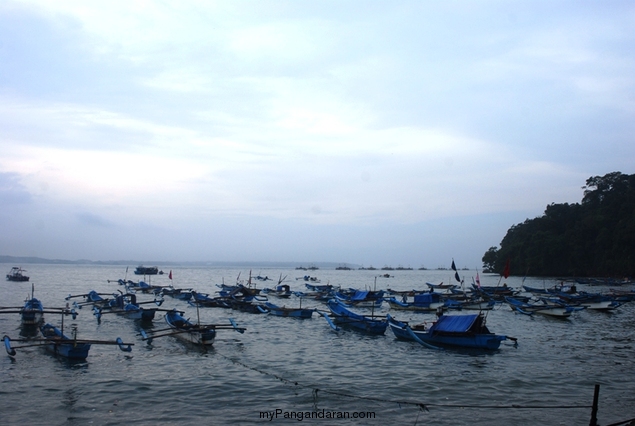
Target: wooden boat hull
601,306
289,312
61,345
239,305
412,307
32,313
187,332
138,313
346,318
553,311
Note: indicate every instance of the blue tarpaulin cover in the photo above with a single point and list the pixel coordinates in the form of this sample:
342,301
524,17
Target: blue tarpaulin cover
427,298
454,323
360,295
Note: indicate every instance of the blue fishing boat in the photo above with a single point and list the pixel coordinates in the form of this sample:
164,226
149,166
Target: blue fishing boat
60,344
593,301
463,331
92,298
127,306
425,302
361,298
32,312
247,306
188,331
543,306
55,341
282,291
141,286
309,279
177,293
344,317
324,288
204,300
282,311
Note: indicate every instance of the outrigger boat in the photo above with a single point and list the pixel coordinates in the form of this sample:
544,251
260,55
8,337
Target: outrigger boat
548,307
324,288
342,316
282,291
55,341
361,298
282,311
177,293
204,300
141,286
441,286
247,306
426,302
593,301
202,335
92,298
309,279
32,313
463,331
127,306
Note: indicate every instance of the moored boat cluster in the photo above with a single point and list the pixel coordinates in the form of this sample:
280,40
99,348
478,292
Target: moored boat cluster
350,308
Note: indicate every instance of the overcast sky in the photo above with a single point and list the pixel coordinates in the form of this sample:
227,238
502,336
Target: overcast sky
370,132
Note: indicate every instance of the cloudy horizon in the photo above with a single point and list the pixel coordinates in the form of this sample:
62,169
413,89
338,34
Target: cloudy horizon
375,133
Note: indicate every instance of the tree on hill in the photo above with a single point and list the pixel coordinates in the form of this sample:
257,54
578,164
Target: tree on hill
593,238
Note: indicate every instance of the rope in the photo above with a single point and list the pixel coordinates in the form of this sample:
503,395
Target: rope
422,406
623,422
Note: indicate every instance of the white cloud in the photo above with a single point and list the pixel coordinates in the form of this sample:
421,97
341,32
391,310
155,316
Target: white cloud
299,112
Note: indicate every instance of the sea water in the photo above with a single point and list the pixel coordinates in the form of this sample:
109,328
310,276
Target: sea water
290,371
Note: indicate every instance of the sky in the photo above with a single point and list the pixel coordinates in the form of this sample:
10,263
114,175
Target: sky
383,133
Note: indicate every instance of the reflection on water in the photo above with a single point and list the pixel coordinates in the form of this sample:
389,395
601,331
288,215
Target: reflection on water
300,365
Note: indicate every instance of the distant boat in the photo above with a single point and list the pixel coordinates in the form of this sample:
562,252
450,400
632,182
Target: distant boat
146,270
16,274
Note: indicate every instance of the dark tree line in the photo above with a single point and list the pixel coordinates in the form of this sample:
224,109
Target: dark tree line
595,238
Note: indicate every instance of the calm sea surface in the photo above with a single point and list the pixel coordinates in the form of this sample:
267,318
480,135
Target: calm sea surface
298,366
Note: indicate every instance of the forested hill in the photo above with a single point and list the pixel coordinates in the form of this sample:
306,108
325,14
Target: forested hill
595,238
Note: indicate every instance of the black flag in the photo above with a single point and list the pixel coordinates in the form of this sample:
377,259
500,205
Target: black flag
456,274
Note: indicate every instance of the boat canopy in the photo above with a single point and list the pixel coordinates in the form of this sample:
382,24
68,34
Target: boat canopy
427,298
454,323
360,295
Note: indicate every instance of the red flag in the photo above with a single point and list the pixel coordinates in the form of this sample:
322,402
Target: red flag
506,270
170,276
478,281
